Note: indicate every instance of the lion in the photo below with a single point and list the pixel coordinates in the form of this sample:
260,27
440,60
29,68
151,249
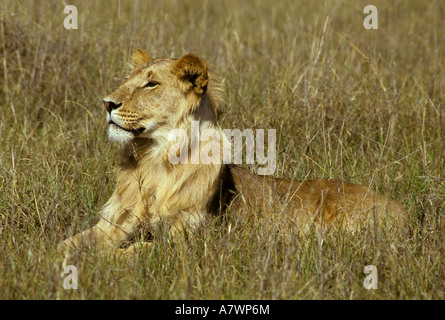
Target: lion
161,95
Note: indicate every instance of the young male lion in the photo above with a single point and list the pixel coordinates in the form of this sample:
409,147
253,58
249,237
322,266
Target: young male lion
161,95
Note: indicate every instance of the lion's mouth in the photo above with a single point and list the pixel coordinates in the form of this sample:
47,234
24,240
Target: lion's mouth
135,132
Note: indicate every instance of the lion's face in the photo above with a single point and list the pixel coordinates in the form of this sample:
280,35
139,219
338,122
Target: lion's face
156,94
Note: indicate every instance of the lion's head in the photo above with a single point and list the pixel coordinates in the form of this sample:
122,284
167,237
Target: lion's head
158,94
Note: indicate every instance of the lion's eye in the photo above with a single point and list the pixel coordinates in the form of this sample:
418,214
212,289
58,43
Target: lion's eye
151,84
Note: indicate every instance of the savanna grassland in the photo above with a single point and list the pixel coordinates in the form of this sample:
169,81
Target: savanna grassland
366,106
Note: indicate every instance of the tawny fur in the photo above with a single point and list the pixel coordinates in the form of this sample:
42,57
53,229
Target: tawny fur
165,94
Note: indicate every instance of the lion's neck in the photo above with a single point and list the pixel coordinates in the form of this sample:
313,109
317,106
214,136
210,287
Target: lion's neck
191,137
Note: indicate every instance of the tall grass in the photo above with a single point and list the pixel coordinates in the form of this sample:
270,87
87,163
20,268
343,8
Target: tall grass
365,106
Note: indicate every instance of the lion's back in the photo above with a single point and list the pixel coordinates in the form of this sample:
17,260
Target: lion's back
331,202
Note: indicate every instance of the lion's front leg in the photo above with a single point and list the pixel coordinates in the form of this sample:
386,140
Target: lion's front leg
133,250
178,225
185,222
112,229
103,234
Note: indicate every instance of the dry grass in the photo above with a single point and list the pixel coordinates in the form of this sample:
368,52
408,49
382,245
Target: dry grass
364,106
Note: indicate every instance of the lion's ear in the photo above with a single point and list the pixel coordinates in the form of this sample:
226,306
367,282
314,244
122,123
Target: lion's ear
139,58
192,71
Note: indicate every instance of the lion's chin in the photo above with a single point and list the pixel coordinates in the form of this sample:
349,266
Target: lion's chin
117,134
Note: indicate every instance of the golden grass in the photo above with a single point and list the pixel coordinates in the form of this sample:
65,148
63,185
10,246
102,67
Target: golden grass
365,106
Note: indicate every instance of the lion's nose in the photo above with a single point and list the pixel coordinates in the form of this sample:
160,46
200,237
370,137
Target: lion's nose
110,106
